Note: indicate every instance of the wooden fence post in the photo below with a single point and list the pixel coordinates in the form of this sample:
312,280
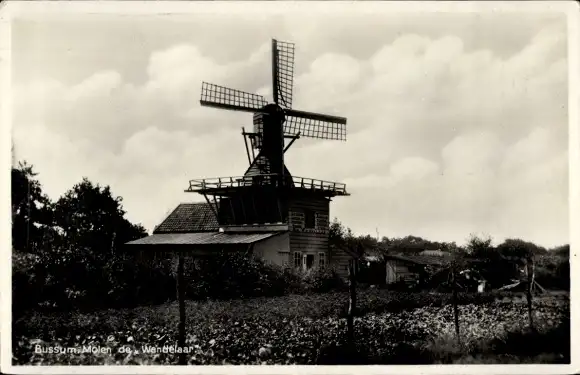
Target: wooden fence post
352,301
180,286
454,301
530,283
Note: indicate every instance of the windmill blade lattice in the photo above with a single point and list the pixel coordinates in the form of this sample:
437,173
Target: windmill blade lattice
293,122
226,98
315,125
283,72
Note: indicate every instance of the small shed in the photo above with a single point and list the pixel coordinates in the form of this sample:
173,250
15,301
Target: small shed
410,268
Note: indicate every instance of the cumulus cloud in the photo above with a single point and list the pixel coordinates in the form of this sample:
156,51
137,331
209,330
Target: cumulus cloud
444,140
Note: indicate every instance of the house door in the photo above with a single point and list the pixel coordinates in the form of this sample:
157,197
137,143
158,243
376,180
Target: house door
308,261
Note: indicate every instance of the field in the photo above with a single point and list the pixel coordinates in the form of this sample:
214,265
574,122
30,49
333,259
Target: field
391,328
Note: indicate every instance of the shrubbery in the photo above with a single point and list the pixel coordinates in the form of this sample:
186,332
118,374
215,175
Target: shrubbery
236,275
75,279
322,280
70,279
553,272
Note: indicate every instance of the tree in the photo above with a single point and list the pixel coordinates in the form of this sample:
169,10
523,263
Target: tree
523,253
92,218
74,241
365,243
337,234
93,228
563,251
491,264
414,245
385,242
519,249
480,247
31,210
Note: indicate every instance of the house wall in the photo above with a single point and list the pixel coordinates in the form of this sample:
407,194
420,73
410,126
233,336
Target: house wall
274,250
339,261
308,240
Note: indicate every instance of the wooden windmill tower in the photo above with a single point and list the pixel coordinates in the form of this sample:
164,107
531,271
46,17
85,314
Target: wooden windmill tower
267,197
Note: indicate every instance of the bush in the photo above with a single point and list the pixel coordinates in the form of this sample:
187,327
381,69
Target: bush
322,280
27,284
553,272
127,282
65,279
237,275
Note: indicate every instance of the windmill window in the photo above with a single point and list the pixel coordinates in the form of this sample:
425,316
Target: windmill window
321,260
309,219
297,259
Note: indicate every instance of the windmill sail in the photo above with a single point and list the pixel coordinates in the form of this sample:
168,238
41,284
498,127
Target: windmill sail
314,125
288,121
282,72
226,98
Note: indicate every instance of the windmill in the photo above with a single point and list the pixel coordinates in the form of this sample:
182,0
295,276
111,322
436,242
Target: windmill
267,194
277,120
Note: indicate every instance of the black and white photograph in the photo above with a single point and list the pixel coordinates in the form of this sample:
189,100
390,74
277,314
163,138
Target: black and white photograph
221,186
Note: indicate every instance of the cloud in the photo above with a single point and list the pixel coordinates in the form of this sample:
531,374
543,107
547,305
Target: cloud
443,140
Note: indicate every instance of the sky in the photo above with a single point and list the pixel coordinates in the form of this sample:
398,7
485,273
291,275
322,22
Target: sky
457,122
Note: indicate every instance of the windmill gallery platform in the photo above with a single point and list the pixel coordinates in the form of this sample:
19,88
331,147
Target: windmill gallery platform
267,212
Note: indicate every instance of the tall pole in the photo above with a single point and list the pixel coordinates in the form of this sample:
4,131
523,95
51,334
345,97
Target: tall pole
181,302
530,284
352,301
455,308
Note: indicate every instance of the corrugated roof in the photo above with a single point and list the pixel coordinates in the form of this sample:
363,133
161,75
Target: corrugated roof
420,259
189,217
203,238
350,252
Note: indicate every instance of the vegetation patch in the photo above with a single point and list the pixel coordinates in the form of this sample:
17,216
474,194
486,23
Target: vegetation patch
297,329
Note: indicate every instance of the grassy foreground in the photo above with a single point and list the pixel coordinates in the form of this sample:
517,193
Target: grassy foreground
392,328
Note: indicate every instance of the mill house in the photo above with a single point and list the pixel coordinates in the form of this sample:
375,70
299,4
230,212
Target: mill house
267,212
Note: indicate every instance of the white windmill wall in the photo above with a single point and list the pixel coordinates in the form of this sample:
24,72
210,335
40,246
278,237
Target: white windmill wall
275,250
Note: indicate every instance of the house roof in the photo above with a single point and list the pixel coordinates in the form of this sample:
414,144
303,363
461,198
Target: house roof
189,217
346,249
426,260
202,238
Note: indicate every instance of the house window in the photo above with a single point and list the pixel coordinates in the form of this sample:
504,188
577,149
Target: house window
297,259
309,219
321,260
